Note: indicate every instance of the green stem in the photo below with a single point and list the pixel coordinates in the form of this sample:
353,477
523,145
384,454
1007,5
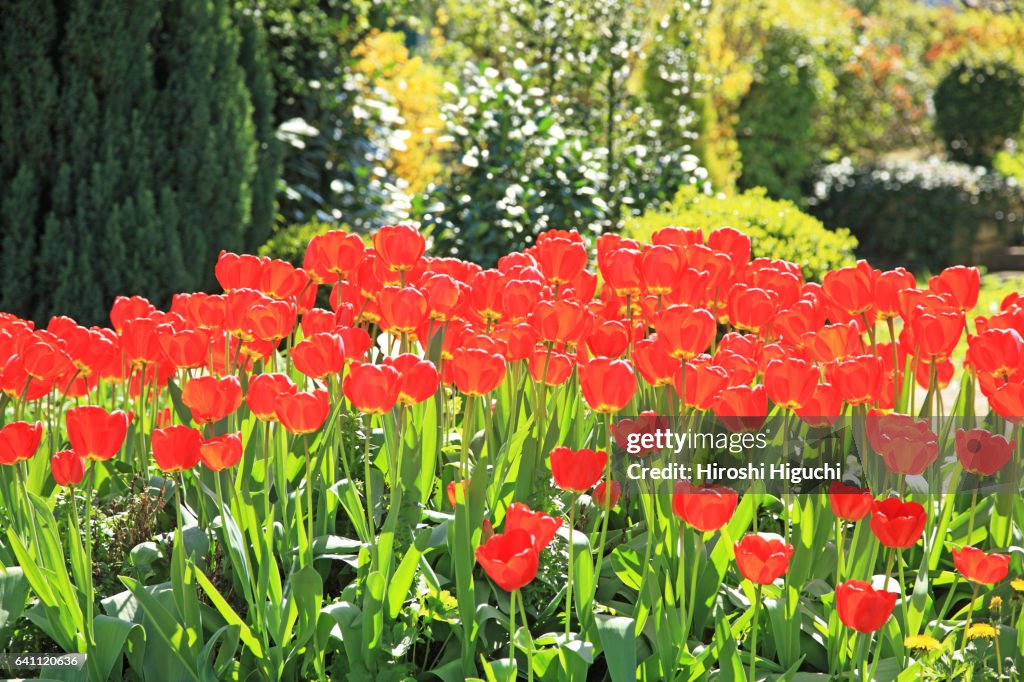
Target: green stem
753,633
568,587
529,652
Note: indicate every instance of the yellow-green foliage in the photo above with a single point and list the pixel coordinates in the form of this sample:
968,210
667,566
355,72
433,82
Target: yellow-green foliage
777,229
416,88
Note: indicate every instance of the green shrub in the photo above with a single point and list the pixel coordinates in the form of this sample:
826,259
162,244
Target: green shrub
977,108
919,214
777,229
775,131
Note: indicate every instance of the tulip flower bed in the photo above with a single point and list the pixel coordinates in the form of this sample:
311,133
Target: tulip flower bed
428,476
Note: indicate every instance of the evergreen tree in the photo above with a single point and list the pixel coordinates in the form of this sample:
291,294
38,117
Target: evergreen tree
131,150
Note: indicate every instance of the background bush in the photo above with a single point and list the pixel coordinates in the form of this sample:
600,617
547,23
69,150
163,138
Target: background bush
920,214
977,108
130,150
778,229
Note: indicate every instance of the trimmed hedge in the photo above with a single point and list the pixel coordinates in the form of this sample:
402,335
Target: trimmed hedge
924,214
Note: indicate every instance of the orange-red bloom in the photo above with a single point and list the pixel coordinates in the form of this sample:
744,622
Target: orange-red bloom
540,526
960,283
981,452
319,355
476,371
606,497
863,608
858,379
402,310
685,332
67,468
976,565
509,558
303,412
176,448
851,289
896,523
96,434
762,560
849,502
399,246
791,382
372,389
608,385
19,441
417,379
265,390
221,452
907,445
212,399
705,507
577,470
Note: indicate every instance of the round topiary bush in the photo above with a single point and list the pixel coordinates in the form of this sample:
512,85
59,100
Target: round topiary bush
977,108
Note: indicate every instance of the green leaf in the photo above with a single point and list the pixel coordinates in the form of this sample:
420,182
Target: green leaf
619,643
228,613
13,593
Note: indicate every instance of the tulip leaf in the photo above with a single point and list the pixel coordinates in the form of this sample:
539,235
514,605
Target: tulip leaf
618,640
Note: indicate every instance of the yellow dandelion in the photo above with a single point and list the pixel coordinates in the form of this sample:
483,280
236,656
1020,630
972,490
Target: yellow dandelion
995,603
921,643
1017,584
981,631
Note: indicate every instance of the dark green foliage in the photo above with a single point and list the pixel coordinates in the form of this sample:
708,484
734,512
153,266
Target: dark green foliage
129,151
775,129
977,108
516,171
335,135
923,215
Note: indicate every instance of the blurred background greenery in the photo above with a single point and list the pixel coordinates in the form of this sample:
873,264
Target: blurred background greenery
138,139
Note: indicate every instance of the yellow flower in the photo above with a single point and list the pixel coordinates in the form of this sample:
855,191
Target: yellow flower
1017,584
982,631
921,643
995,603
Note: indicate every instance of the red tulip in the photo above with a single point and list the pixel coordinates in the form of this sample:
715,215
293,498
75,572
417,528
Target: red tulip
265,390
176,448
976,565
896,523
96,434
647,423
706,507
238,272
704,383
509,558
577,470
849,502
937,333
655,364
212,399
824,407
887,288
741,408
221,452
731,242
319,355
791,382
185,349
659,269
399,246
561,260
858,379
606,497
1007,401
334,253
281,280
476,372
456,491
67,468
998,353
303,412
538,525
981,452
129,308
621,270
417,379
443,295
750,309
907,445
685,332
402,309
762,560
608,385
851,289
560,321
19,441
372,389
961,284
549,367
863,608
